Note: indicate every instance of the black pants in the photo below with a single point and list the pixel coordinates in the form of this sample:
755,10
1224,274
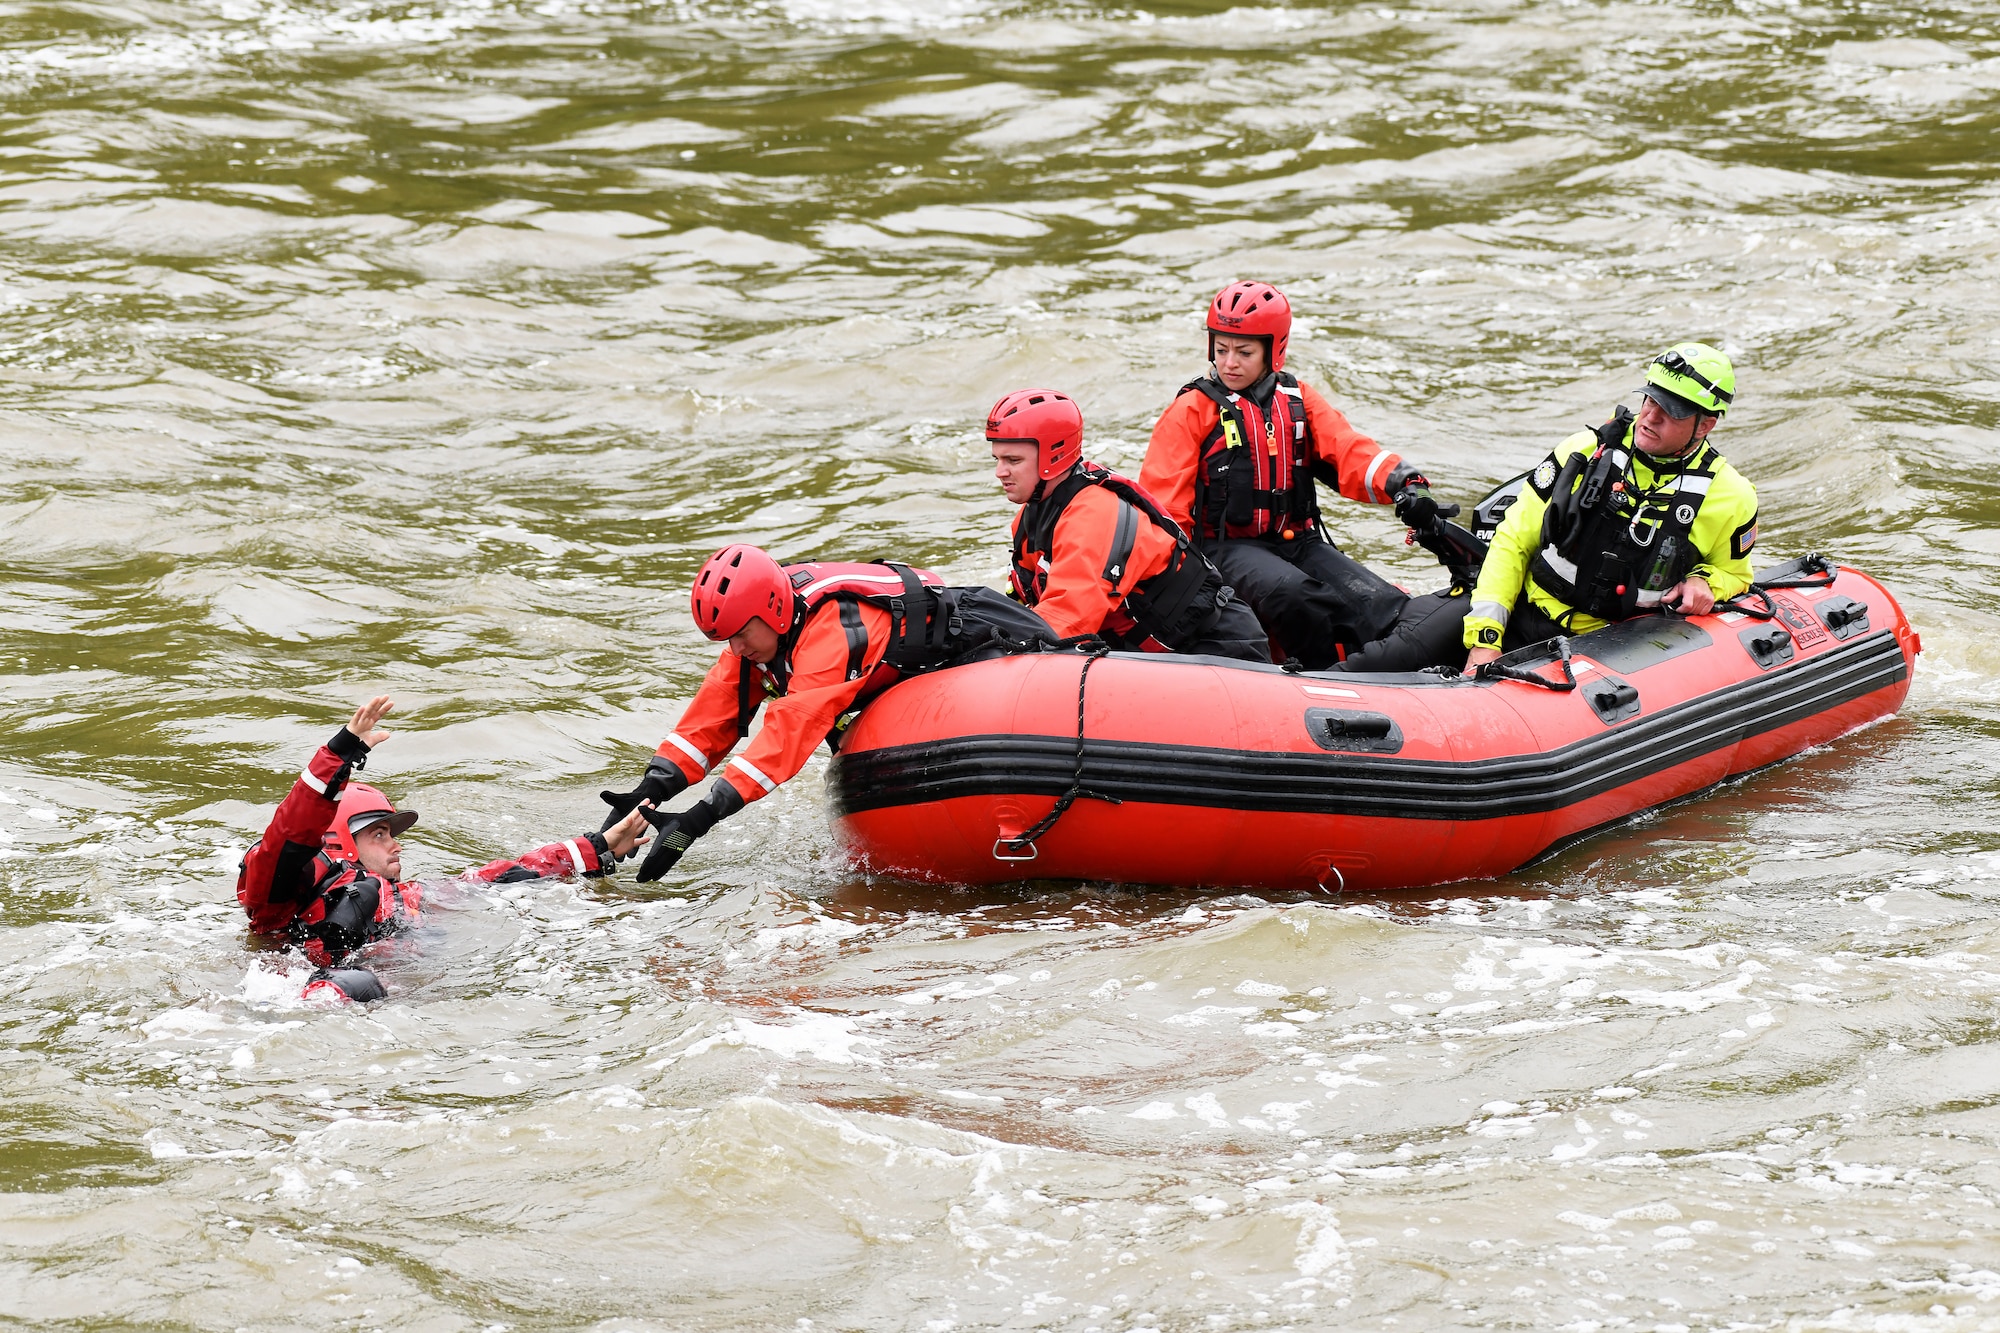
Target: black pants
1528,623
1236,634
1430,632
1308,596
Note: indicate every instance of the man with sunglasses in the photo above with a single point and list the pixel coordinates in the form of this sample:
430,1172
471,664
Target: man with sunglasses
1639,515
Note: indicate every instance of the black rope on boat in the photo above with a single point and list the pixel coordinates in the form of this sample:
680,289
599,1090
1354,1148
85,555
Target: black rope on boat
1822,576
1498,670
1093,649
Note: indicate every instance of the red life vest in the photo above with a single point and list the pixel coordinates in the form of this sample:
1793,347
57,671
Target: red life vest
895,588
1255,471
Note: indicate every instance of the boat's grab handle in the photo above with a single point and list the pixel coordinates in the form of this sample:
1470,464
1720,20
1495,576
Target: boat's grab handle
1501,669
1813,571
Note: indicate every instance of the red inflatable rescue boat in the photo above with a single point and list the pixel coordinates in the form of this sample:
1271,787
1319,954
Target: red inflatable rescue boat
1200,771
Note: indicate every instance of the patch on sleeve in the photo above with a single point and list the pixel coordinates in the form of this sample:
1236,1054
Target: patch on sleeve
1543,478
1743,538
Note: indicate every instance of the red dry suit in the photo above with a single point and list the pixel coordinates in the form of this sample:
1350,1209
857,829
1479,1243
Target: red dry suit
285,879
1254,466
829,664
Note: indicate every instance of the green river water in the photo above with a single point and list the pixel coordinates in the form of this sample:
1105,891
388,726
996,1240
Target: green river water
427,348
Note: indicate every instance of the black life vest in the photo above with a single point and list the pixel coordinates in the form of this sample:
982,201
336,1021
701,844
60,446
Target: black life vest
1256,467
1609,548
930,626
332,877
1177,606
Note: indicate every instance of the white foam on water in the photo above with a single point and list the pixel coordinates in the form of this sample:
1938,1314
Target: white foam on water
192,1021
884,14
276,987
815,934
1322,1251
832,1038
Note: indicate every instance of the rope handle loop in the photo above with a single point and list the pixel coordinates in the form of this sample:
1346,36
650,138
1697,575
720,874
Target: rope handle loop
1022,846
1498,670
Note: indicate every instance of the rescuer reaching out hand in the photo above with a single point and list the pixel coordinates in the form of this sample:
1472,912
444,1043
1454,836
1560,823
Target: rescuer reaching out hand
815,641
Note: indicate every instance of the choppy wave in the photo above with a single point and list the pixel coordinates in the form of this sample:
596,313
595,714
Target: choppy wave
428,348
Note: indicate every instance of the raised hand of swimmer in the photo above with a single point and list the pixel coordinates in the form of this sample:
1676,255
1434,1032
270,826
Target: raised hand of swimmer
365,724
630,833
1691,597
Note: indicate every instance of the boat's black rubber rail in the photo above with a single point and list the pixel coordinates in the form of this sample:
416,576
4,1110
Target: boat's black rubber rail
1358,784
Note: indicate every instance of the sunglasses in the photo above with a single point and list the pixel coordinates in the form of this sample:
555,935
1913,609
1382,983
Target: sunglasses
1679,365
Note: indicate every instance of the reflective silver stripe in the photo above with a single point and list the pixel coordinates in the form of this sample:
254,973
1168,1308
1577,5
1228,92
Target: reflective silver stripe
1695,485
1621,458
675,739
889,582
1566,568
757,777
1299,418
1488,611
305,776
1649,598
575,856
1368,481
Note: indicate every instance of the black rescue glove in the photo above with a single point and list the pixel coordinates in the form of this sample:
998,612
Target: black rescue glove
677,832
1414,506
1417,508
663,781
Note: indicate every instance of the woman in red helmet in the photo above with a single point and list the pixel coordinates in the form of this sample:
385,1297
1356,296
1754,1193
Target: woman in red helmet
1234,460
328,872
816,641
1094,554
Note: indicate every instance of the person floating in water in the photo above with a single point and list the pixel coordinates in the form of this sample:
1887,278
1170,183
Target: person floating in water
327,876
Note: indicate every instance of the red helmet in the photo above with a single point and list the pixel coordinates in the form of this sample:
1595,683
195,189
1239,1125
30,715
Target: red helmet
1050,421
1252,310
361,805
739,584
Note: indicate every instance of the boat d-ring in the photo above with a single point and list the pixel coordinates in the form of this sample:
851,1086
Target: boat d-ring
1339,880
998,843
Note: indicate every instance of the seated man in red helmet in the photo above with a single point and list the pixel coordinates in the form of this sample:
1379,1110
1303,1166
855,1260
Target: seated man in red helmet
1093,553
328,872
1234,460
816,640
